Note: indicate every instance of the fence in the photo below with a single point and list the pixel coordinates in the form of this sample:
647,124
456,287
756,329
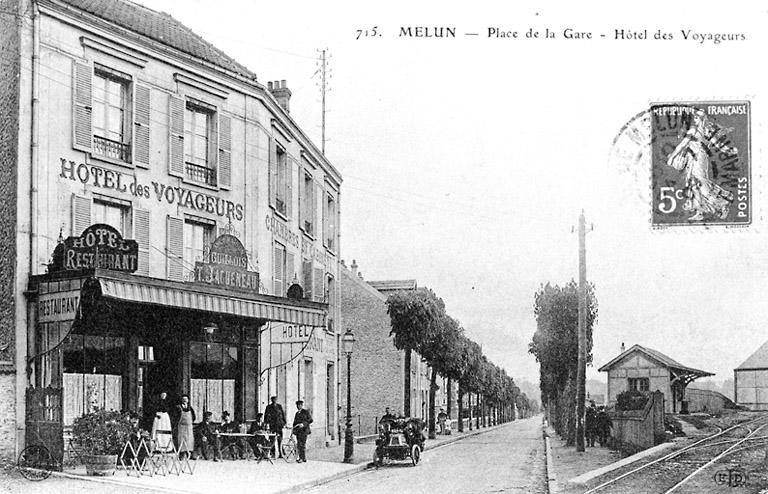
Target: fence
636,430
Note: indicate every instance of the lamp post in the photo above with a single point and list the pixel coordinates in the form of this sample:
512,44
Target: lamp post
348,341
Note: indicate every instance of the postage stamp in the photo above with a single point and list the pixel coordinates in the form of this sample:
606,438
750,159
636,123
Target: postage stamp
700,163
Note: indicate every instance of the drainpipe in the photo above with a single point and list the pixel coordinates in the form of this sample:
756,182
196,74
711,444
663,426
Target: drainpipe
34,145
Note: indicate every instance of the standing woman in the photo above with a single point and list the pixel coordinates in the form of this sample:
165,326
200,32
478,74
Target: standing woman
161,425
185,434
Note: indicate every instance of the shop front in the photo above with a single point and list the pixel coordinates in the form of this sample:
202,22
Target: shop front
110,339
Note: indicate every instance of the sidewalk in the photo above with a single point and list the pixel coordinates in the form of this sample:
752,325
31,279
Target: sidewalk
568,464
324,465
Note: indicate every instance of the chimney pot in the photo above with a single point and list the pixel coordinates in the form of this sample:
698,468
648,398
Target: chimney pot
282,94
622,347
354,267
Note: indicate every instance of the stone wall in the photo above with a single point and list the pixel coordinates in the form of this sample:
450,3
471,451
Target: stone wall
636,430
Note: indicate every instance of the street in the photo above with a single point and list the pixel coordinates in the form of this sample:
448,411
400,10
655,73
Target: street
508,459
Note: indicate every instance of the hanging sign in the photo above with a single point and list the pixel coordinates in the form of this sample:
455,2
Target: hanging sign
59,306
99,246
227,266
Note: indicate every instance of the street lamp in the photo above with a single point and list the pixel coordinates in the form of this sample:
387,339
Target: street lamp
348,341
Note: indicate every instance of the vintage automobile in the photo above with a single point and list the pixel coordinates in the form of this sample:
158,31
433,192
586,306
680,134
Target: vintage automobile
399,439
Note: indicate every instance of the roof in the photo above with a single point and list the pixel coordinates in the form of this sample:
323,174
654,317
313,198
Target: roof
758,360
160,27
658,357
393,285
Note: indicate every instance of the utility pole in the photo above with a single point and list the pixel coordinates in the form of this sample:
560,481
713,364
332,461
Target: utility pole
324,76
581,371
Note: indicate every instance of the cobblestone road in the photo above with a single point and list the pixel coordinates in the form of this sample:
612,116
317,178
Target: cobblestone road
508,459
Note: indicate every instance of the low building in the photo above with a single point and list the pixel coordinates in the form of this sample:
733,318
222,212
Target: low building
378,368
750,380
645,369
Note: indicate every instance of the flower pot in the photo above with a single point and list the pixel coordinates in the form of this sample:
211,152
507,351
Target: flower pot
100,464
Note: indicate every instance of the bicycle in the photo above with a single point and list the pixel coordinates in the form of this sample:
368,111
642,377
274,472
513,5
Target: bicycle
35,462
289,449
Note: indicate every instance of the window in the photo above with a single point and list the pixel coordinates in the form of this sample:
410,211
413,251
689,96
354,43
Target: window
112,214
331,302
111,114
198,128
330,222
197,240
214,373
639,384
281,192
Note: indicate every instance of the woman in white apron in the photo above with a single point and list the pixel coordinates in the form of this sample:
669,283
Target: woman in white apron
161,426
185,437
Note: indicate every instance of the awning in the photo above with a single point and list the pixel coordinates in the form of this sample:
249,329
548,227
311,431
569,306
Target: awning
196,296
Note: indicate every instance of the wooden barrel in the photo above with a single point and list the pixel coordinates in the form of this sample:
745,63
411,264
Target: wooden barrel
100,464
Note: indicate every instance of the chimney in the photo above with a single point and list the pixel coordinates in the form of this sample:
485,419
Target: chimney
622,347
282,94
353,266
360,275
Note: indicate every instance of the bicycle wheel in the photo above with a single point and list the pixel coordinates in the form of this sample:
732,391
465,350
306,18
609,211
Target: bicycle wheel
35,462
288,450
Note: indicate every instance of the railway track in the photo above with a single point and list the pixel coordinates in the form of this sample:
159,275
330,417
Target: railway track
684,469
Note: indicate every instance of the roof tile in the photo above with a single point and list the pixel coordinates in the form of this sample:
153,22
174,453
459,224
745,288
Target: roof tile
160,27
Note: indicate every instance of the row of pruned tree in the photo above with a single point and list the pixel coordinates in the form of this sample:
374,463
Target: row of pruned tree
555,346
420,324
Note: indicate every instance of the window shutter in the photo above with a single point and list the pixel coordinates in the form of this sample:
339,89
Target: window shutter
141,234
302,206
317,215
225,151
306,272
82,135
318,290
290,269
278,267
324,206
290,175
175,248
272,172
176,127
81,214
141,106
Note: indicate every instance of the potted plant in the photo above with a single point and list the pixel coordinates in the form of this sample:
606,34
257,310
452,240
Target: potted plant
101,436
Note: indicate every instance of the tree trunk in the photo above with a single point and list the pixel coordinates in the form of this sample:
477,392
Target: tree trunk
471,411
479,410
460,397
449,397
431,412
407,384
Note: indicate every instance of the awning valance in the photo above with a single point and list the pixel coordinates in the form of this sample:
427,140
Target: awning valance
194,296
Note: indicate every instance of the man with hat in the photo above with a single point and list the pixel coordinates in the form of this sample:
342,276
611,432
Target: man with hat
274,417
301,422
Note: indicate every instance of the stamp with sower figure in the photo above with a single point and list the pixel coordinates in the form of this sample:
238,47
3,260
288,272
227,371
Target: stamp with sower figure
700,159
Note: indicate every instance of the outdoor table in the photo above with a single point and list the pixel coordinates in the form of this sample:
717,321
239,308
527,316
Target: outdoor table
244,436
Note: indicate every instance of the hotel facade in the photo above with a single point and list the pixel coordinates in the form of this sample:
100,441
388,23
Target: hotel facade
166,226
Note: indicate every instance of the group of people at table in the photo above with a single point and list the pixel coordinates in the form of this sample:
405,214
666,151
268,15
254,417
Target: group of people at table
177,424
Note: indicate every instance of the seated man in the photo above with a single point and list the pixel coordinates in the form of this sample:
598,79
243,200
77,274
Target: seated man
227,443
259,442
205,436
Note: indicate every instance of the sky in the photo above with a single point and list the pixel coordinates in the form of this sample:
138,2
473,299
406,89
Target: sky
467,160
